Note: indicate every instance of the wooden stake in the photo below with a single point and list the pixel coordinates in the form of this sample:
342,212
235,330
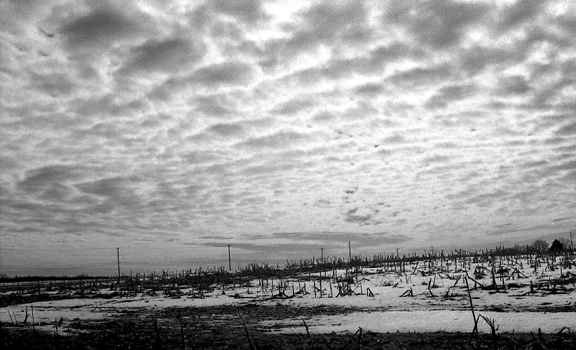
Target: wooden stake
475,330
181,330
309,337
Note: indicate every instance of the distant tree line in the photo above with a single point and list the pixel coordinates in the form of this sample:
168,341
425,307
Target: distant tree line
539,246
6,278
558,246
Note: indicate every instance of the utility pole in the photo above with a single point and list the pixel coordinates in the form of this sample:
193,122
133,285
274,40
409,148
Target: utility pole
229,260
118,259
349,252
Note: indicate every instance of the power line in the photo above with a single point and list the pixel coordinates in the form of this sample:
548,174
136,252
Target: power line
24,249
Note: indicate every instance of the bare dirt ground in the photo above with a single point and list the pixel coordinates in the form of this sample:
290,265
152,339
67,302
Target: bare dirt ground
239,327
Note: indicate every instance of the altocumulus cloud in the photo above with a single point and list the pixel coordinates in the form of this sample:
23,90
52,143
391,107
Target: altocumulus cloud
278,126
227,73
168,55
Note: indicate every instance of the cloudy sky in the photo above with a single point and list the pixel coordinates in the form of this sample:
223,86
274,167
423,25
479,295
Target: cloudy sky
172,129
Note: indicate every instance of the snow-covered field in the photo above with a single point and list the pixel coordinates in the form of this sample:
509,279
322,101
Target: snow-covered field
519,295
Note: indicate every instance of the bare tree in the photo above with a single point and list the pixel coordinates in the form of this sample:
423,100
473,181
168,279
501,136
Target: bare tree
565,242
540,245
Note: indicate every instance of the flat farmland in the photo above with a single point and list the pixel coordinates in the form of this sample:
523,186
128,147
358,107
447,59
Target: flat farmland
465,301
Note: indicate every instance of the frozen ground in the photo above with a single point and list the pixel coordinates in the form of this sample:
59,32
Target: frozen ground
521,296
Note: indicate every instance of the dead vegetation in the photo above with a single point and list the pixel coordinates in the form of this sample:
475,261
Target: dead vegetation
237,327
443,278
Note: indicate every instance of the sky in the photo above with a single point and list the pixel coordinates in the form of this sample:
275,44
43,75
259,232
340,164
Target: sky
172,129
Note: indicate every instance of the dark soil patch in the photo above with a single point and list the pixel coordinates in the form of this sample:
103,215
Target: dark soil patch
19,299
237,327
135,336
